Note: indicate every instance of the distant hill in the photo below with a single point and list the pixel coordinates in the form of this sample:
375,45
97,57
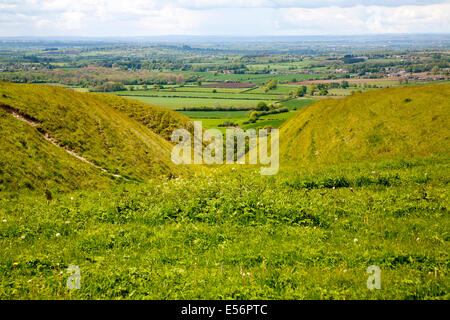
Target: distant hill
56,137
410,121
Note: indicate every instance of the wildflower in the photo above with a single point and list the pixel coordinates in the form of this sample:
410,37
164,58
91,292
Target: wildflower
58,234
5,221
345,270
355,240
417,239
71,198
22,237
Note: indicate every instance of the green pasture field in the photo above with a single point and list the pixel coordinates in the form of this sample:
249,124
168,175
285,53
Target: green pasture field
341,92
253,78
212,123
271,120
212,119
225,115
282,66
203,89
176,103
198,94
238,117
297,103
282,89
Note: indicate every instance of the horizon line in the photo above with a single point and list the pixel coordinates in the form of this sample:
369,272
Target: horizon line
231,36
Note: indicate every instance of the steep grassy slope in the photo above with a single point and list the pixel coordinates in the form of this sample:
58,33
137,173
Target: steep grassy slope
408,122
27,161
160,120
95,127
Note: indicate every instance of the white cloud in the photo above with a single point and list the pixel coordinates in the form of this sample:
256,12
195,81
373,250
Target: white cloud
72,20
221,17
368,20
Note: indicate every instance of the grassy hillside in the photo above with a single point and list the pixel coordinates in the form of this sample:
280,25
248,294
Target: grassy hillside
98,127
309,232
383,123
27,161
160,120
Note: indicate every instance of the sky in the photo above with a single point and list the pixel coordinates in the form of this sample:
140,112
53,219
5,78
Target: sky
102,18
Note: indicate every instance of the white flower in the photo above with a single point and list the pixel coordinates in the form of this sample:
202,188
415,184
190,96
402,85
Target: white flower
355,240
345,270
58,234
22,237
71,198
5,221
417,239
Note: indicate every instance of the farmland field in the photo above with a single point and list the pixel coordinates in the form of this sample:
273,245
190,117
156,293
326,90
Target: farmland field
176,103
200,95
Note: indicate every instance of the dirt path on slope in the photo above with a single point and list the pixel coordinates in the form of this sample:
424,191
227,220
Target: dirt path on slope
35,123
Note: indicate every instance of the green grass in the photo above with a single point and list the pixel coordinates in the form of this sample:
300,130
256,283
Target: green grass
294,234
121,136
176,103
251,78
199,95
280,89
409,121
309,232
202,89
298,103
224,115
271,120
